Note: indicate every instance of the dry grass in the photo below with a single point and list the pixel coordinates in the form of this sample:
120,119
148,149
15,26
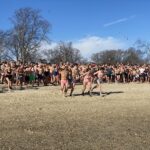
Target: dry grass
43,120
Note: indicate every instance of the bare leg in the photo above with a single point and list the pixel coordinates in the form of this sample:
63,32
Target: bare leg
72,89
84,87
89,89
94,87
100,89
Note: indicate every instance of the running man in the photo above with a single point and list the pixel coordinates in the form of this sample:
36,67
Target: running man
71,81
64,80
87,82
100,75
8,76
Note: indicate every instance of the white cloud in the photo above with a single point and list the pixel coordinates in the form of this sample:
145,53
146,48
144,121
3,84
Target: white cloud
93,44
46,45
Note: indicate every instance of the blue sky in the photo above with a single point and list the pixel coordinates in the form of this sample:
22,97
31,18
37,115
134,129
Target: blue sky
122,21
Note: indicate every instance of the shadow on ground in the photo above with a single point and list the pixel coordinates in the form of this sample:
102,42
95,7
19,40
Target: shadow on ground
5,90
103,94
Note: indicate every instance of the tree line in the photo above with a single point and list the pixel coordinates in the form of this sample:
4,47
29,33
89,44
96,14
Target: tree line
22,42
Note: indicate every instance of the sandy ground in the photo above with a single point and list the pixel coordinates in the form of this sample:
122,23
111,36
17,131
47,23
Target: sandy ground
41,119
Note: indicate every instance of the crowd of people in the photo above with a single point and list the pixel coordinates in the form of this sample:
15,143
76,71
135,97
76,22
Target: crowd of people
67,75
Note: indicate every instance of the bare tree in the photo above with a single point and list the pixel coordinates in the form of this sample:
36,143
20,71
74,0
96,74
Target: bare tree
29,30
107,57
63,52
131,56
2,45
144,47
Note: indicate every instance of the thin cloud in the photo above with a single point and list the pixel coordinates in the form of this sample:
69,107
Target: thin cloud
132,17
119,21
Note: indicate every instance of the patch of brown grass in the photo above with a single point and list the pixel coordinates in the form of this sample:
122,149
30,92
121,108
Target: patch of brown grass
43,120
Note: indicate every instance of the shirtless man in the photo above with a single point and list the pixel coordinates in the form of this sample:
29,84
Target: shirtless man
8,76
40,74
87,82
2,71
75,74
123,74
71,81
99,74
51,69
32,75
20,76
56,75
117,74
64,79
